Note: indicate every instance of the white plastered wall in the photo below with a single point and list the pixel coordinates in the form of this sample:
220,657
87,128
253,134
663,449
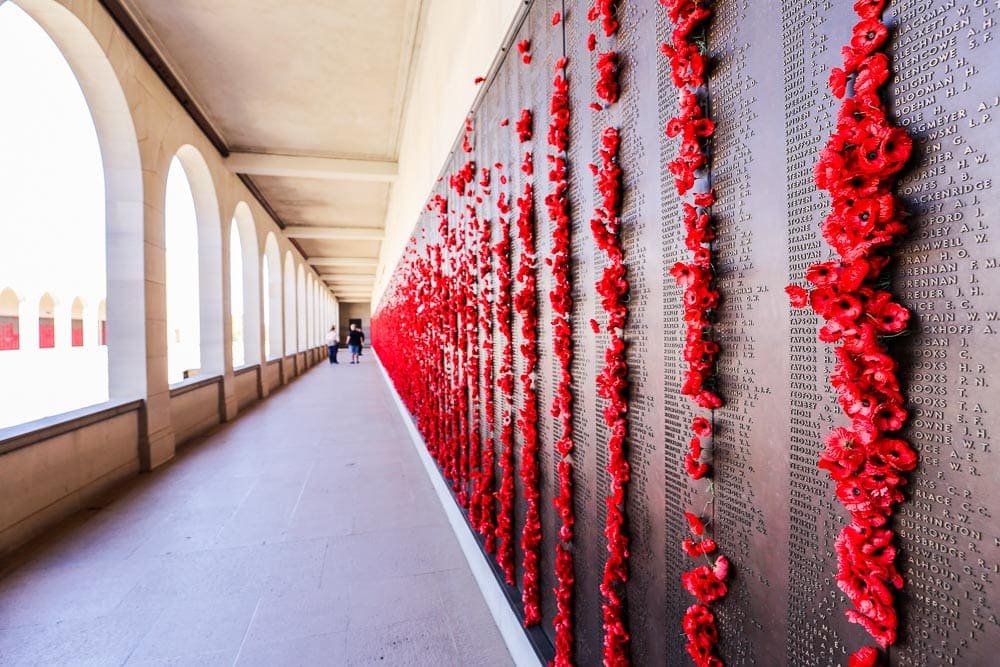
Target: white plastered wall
457,42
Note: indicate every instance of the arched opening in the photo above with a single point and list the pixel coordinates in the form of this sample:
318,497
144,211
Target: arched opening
265,280
46,322
76,323
310,311
300,309
53,203
243,244
238,351
33,35
10,320
194,298
290,317
183,293
271,265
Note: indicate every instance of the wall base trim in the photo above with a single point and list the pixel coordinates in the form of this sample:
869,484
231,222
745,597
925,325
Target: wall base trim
518,645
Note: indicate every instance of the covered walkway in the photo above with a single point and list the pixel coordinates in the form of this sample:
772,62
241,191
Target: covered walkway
304,533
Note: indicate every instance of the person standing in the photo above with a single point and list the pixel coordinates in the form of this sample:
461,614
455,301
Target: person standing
355,338
332,343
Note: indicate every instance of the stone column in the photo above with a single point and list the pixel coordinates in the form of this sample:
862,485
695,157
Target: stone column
90,333
229,405
27,323
63,325
156,438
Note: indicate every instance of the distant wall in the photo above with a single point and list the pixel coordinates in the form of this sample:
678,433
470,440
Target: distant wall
350,311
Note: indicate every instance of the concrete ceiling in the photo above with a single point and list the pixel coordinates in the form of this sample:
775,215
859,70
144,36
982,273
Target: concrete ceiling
308,96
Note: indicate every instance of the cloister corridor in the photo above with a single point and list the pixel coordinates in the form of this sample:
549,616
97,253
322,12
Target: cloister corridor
305,532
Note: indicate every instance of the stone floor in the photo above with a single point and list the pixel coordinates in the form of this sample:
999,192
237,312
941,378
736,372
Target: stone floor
304,533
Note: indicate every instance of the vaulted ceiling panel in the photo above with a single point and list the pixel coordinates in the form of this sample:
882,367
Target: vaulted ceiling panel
291,76
318,248
309,201
304,98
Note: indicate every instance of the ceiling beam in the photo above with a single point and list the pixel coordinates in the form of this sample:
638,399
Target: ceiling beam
335,233
369,262
295,166
346,278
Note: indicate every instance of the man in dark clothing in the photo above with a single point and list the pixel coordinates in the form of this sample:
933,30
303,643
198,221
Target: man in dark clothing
355,338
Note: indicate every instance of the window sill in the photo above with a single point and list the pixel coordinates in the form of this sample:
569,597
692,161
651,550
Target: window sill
46,428
191,384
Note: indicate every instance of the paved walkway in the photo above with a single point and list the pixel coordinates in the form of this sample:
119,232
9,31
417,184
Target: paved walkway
304,533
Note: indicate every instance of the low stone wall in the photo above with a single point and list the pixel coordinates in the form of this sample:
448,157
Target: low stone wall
57,470
54,467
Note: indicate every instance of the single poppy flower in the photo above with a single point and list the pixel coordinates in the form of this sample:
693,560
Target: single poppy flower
867,656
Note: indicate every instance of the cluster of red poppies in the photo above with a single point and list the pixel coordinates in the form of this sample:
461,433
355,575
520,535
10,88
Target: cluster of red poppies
612,385
464,319
472,360
859,167
612,380
605,11
484,518
461,179
607,77
707,582
524,48
467,137
557,206
526,305
524,126
505,383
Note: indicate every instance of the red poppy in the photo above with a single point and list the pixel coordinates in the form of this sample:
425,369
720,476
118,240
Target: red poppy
897,453
869,34
838,82
694,523
797,296
700,548
872,74
702,583
867,656
694,468
701,427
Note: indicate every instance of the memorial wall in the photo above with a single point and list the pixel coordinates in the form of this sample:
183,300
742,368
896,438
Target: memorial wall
495,331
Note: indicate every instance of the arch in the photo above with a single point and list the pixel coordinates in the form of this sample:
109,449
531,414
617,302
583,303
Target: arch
210,283
273,296
290,316
320,314
123,191
247,250
183,293
310,311
237,294
46,321
10,320
76,323
300,310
